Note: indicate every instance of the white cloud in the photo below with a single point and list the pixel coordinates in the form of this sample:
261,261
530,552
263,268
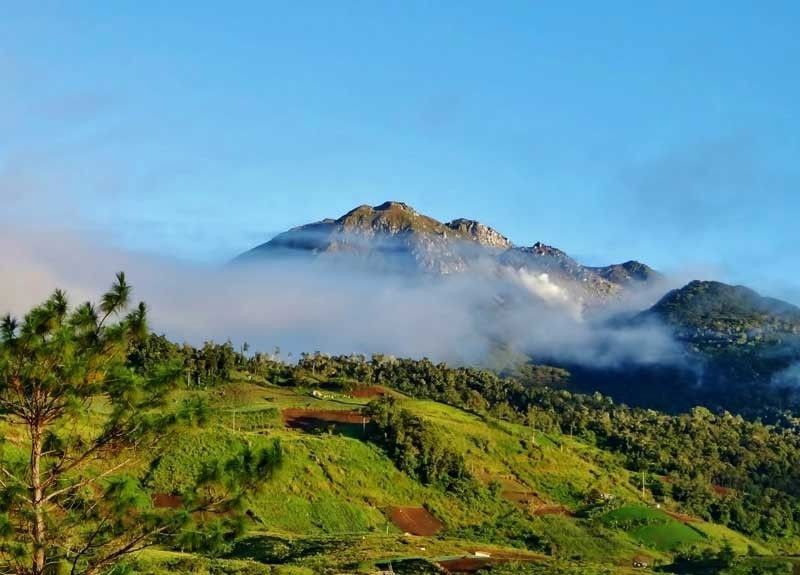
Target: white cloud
303,306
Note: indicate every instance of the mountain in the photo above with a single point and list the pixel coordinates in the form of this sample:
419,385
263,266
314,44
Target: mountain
735,349
733,327
742,337
741,353
631,272
390,236
711,312
562,269
394,236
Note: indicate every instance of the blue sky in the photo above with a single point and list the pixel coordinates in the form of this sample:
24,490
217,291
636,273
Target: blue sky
661,131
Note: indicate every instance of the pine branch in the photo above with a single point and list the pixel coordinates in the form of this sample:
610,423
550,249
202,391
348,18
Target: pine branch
85,482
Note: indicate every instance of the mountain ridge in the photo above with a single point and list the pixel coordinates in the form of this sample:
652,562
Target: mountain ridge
393,235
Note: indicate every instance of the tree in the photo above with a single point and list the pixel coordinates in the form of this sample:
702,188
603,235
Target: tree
67,402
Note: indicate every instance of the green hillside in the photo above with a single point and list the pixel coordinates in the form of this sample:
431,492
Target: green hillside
537,495
123,452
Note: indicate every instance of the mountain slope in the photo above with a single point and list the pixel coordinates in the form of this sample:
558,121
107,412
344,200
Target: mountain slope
391,235
733,314
736,351
630,272
732,342
562,269
394,236
746,342
536,496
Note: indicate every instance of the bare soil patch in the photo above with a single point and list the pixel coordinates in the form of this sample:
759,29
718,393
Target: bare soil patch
310,419
513,491
369,391
167,501
415,520
523,499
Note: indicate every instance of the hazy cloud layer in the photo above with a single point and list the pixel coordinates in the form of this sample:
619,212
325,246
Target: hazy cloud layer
789,377
307,306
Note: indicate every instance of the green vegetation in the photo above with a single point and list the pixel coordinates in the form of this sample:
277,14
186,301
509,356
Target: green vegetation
728,310
749,479
741,341
653,528
226,462
78,428
418,449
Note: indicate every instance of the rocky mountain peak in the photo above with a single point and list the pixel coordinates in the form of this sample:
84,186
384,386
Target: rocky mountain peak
388,218
541,249
394,236
630,272
391,205
481,233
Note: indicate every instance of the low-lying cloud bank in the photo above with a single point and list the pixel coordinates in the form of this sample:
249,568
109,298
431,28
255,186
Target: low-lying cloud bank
305,306
789,377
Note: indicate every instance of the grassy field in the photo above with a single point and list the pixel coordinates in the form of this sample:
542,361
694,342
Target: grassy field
326,510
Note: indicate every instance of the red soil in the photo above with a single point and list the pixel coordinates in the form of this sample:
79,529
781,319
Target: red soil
415,520
512,490
369,391
167,501
298,418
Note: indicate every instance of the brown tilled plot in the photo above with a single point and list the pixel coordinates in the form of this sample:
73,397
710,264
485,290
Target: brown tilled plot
167,501
415,520
522,499
308,419
512,490
369,391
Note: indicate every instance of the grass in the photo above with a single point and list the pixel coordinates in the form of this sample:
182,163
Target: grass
653,528
581,540
333,485
325,510
739,542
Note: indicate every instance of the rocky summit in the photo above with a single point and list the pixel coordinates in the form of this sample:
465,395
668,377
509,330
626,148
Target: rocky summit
395,236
